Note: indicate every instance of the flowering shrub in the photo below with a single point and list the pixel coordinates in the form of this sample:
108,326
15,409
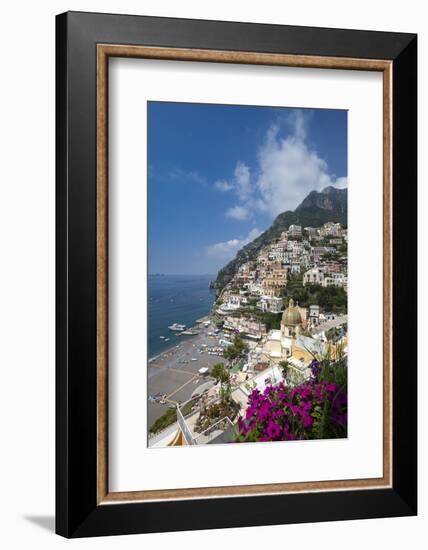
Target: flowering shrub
316,409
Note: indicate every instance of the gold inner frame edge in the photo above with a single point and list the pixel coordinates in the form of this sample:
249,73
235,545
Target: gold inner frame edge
104,51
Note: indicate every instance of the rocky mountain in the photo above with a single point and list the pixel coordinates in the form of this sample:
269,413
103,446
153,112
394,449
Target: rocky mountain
330,199
331,204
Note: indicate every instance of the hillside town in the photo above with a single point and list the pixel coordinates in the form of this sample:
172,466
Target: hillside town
282,312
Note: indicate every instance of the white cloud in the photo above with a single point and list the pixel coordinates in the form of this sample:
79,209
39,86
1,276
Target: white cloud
287,171
191,176
297,120
226,250
243,180
223,186
238,213
240,184
341,183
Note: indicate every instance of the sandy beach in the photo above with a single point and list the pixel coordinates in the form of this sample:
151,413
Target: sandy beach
174,372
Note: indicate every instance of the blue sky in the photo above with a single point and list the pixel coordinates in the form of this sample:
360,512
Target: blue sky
218,175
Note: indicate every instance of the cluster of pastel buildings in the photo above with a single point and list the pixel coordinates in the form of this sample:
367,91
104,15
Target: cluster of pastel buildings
309,252
303,335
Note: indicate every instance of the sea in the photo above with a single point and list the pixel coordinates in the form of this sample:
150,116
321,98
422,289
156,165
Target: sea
179,299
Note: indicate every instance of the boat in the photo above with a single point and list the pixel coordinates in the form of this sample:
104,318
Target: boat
167,339
177,327
190,332
162,337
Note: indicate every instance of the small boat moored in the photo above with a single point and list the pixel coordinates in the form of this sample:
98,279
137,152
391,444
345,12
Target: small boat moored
177,327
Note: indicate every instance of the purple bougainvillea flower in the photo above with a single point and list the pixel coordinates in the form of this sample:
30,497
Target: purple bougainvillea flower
273,430
242,427
295,409
263,412
251,411
284,413
307,421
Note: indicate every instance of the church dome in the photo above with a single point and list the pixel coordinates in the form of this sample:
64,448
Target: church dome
291,316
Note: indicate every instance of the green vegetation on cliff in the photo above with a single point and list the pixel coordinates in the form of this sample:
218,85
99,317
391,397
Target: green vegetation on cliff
332,299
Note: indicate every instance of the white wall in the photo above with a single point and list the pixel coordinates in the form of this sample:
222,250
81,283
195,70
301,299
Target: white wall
27,269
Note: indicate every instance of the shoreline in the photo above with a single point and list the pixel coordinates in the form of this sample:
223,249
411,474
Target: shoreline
184,338
169,350
174,374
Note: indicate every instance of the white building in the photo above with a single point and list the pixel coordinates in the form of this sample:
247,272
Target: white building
311,231
232,303
272,304
279,255
331,229
314,315
295,230
247,326
254,287
335,279
314,276
295,268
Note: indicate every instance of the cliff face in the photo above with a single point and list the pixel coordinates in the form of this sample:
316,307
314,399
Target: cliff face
329,205
330,199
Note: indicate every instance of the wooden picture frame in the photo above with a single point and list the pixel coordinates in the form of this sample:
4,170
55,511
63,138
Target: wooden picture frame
85,42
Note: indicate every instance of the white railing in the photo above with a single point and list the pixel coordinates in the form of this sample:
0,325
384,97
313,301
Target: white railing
187,432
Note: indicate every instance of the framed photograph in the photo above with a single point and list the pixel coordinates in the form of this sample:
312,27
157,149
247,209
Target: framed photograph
236,274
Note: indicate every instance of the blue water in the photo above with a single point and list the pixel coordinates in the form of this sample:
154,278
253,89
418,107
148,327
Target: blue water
176,299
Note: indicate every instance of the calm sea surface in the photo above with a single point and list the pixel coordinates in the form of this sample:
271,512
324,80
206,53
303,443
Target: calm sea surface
176,299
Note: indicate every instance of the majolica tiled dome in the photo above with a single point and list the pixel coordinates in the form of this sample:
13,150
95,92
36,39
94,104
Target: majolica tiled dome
291,316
